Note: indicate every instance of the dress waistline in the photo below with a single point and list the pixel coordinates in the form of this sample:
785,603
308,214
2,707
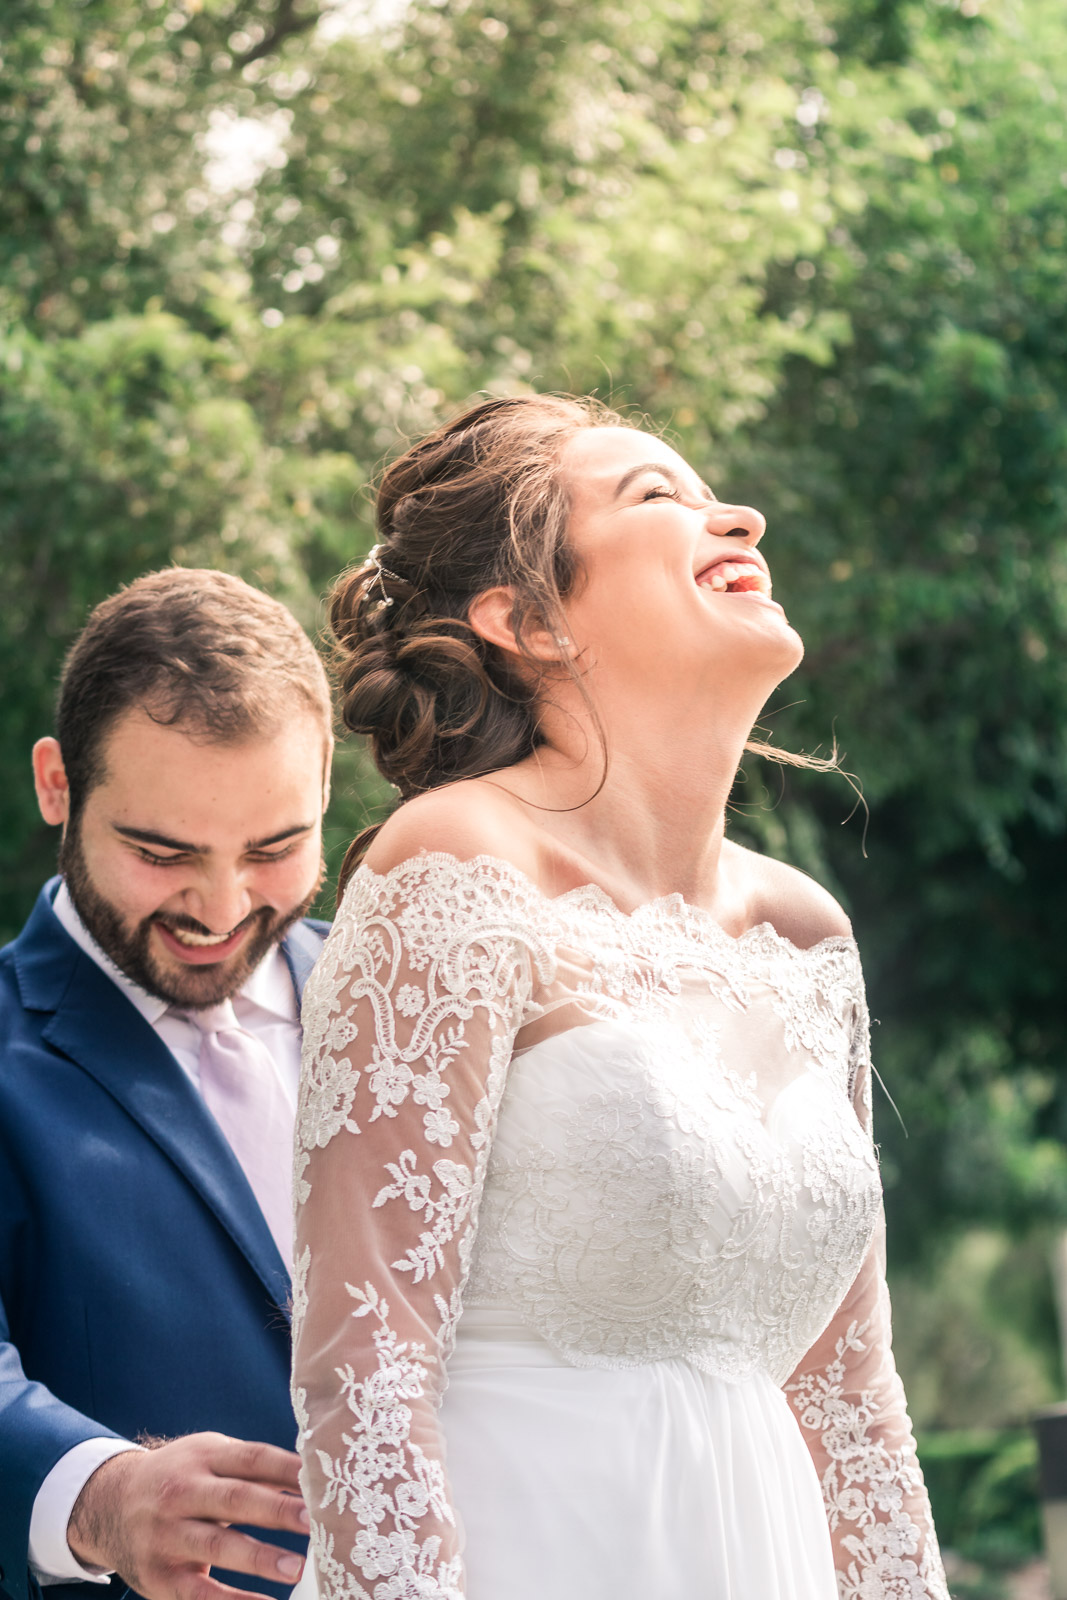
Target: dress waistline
496,1337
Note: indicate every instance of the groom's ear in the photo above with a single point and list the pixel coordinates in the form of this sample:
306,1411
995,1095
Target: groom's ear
50,781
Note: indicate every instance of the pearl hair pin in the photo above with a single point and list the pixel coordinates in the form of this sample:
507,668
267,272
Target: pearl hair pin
380,572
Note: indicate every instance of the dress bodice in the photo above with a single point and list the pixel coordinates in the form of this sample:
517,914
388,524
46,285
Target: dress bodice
646,1139
677,1168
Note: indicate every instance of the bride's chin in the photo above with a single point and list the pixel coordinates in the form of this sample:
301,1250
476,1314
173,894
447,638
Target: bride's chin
789,657
778,643
775,661
796,644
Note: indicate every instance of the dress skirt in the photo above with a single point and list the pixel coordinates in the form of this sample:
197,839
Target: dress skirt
652,1482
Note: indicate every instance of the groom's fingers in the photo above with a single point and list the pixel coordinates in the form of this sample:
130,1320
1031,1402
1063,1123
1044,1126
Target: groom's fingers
259,1463
160,1518
258,1505
240,1487
209,1589
208,1544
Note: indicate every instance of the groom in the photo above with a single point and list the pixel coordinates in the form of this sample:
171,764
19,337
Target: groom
149,1053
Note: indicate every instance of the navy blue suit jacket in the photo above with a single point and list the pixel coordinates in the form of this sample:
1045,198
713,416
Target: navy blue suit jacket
140,1288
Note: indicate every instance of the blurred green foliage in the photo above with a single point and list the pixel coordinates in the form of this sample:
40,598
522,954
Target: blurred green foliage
977,1346
929,464
983,1491
822,242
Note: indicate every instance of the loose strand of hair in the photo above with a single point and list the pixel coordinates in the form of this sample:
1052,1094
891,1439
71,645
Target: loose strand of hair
830,763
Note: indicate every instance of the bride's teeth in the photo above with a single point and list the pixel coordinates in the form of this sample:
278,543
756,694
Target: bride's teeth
751,581
735,577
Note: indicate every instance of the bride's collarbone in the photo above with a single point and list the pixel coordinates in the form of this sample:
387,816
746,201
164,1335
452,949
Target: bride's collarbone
482,818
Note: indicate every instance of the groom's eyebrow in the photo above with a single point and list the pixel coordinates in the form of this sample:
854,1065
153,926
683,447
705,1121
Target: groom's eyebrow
146,836
161,840
279,838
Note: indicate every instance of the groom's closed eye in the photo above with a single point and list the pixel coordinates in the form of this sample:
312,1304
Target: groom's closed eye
260,851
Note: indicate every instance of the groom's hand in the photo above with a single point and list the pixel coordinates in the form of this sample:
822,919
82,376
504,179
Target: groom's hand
161,1517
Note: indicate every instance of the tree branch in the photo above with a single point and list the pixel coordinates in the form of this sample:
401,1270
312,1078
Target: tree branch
287,22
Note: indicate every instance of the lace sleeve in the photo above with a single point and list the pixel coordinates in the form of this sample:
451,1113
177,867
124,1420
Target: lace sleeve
409,1022
853,1414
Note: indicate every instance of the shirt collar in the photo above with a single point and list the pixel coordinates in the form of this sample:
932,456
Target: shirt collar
269,986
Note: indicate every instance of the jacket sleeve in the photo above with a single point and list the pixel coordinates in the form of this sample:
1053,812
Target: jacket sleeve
36,1430
850,1403
409,1025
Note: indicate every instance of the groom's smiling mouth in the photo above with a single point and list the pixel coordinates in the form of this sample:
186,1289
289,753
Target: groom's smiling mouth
194,944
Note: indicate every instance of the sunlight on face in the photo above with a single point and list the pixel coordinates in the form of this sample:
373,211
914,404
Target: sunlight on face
673,582
191,858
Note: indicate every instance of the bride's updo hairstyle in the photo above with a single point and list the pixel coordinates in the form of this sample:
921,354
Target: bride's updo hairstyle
476,504
479,503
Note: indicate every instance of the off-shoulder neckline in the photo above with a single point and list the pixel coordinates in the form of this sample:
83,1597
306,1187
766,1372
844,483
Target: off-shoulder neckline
595,895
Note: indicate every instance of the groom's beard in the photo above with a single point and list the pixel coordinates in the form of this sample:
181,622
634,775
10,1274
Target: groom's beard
130,947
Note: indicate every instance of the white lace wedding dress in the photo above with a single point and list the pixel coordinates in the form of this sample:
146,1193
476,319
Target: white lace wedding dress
611,1176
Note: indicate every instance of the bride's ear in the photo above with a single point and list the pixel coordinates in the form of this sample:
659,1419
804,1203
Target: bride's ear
492,616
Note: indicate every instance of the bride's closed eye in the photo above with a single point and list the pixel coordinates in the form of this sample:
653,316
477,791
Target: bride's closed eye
661,491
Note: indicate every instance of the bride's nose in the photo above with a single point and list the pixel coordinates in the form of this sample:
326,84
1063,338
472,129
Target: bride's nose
740,521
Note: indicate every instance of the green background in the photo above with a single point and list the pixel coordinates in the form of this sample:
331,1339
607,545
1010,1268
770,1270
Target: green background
821,242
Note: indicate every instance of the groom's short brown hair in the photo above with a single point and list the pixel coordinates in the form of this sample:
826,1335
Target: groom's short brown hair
193,648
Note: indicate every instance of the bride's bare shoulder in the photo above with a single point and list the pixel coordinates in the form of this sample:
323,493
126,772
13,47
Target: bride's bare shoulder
799,908
474,817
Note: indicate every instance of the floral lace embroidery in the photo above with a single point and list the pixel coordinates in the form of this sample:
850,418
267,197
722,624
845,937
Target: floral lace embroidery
380,1475
379,1450
608,1229
428,973
879,1493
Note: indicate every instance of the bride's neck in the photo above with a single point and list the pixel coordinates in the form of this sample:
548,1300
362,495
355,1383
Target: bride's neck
649,810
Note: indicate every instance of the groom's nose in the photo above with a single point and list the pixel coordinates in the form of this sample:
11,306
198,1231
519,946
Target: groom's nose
220,901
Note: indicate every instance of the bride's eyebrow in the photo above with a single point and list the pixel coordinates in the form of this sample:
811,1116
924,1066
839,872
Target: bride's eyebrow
661,470
646,466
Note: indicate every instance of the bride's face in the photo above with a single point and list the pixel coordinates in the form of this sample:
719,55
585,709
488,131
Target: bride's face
673,582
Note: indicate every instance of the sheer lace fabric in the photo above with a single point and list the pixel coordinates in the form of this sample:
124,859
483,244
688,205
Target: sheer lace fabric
624,1145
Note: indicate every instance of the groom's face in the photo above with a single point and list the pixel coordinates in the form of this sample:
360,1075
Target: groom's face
190,859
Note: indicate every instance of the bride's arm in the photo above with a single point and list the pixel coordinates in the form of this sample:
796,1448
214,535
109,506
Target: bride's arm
409,1022
853,1414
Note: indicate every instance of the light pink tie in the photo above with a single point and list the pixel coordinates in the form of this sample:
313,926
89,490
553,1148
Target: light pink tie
239,1083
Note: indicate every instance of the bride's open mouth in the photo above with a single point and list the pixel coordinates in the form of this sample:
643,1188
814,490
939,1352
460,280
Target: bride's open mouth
735,574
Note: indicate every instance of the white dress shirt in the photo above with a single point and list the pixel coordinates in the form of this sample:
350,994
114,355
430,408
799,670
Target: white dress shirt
267,1006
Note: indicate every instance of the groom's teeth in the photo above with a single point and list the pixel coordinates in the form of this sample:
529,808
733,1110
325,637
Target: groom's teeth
185,936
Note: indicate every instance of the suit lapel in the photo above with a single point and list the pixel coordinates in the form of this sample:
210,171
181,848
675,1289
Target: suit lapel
302,947
95,1026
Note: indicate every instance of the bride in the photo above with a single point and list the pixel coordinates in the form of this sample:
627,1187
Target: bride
590,1301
